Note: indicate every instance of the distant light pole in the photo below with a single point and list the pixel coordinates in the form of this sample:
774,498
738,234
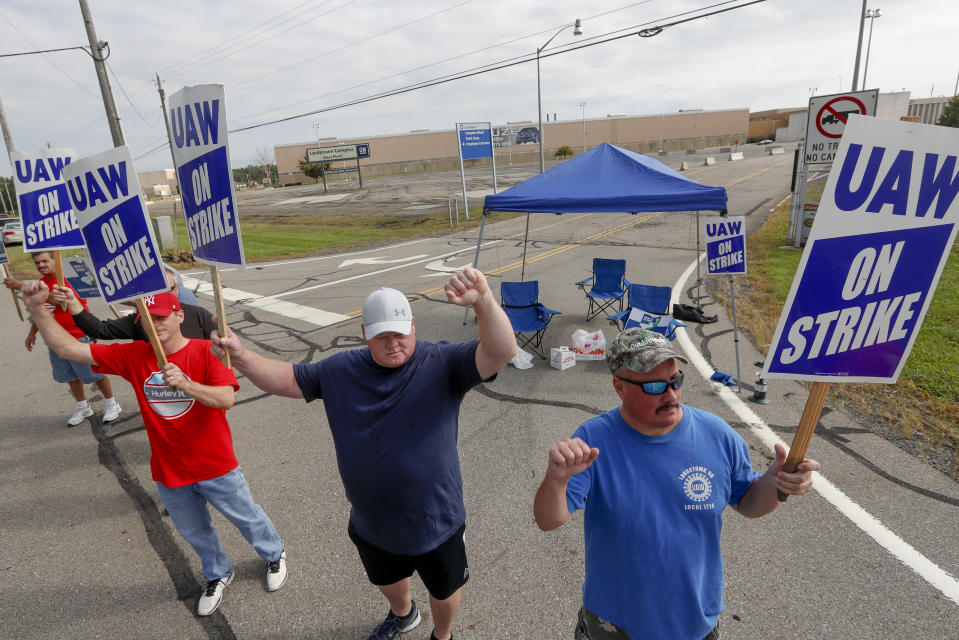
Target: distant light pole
316,127
812,91
583,105
862,24
872,14
577,31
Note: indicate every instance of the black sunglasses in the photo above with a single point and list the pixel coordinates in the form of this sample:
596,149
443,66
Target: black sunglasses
657,387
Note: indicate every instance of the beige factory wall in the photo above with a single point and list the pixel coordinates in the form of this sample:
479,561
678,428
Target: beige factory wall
417,152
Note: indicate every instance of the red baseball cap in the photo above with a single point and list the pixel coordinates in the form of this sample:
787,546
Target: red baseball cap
161,304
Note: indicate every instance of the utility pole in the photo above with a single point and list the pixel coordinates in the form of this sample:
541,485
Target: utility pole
96,50
7,140
169,137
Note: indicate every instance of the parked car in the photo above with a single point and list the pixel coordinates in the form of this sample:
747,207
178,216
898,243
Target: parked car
766,141
12,233
527,134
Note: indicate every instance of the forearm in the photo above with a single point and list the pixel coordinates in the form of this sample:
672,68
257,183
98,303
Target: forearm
120,329
549,507
760,499
57,338
497,341
272,376
221,397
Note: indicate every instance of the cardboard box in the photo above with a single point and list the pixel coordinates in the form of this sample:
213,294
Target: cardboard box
561,358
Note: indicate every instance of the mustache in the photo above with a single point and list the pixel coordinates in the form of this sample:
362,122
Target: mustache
671,405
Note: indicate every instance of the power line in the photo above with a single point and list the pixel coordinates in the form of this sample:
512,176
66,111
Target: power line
354,43
238,47
149,124
43,53
647,32
475,51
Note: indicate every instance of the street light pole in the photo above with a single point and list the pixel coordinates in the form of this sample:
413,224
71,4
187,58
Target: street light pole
872,14
583,105
577,31
862,24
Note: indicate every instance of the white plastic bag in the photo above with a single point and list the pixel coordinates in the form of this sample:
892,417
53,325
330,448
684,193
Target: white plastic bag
522,360
589,345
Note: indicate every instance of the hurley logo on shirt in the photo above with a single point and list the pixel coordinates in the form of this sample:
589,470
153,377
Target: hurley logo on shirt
166,402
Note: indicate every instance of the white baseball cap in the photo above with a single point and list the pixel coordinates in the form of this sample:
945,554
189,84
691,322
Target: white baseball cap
387,310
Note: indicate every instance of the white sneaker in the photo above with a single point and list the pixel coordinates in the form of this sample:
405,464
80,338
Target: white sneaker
81,414
111,412
213,595
276,573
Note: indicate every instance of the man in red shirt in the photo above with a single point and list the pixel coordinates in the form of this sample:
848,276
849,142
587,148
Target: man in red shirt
184,409
75,374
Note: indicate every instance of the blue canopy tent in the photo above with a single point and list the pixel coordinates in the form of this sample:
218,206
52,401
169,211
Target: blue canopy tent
605,179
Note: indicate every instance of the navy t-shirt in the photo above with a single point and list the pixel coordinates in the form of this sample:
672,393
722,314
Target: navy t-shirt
395,432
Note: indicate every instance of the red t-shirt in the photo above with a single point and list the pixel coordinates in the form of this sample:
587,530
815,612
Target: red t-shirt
62,315
190,441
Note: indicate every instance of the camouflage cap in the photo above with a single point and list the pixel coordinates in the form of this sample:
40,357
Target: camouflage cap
639,350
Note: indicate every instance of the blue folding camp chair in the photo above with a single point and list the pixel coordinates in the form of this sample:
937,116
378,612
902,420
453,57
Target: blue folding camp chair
649,308
528,317
608,286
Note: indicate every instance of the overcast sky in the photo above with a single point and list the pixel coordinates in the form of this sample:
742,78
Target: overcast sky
286,57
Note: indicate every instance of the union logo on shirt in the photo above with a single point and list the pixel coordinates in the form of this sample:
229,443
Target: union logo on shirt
166,402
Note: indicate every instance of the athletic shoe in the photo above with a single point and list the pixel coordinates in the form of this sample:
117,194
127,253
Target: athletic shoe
276,573
81,414
433,635
213,595
394,625
111,412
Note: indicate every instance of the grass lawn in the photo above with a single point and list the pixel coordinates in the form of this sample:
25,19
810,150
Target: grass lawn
925,402
270,238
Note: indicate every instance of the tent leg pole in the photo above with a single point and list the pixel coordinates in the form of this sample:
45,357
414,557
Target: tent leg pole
732,291
479,241
699,278
522,273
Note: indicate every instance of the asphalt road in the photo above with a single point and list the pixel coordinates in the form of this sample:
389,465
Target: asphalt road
86,553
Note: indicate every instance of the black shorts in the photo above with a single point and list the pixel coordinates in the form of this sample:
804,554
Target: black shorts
443,570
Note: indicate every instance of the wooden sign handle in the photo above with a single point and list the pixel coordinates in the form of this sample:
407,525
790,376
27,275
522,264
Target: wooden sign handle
16,300
220,311
807,424
151,332
58,271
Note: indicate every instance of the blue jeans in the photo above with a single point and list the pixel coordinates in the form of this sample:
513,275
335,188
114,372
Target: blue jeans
230,494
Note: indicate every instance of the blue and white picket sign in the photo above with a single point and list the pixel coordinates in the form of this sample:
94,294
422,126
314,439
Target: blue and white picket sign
79,274
3,253
726,244
202,159
45,211
886,221
115,224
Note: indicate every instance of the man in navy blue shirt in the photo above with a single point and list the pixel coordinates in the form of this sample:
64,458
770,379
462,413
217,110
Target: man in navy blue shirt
390,407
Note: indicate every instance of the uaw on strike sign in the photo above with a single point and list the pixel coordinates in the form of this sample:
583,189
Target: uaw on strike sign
45,210
886,221
201,155
113,218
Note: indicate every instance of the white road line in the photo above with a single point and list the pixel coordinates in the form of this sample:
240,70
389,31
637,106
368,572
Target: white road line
374,273
870,525
332,256
269,303
297,311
